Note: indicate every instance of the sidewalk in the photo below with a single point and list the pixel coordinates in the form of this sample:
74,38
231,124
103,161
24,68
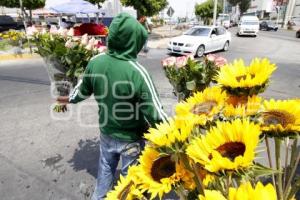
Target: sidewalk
160,36
17,53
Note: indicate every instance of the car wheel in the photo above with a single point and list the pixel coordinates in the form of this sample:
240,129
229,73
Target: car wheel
276,29
226,46
200,51
298,35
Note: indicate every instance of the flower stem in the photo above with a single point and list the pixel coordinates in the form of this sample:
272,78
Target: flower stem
294,167
278,166
193,169
286,161
180,192
269,158
198,180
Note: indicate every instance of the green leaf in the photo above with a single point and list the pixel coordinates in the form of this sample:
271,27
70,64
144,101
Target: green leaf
191,85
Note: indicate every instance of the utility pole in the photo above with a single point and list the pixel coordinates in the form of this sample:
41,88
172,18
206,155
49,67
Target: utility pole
224,6
288,12
215,12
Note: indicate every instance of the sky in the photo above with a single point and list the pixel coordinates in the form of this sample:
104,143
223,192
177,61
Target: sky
183,7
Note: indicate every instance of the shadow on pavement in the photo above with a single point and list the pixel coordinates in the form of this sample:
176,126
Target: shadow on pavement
86,156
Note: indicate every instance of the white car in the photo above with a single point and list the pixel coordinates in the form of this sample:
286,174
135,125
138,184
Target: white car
200,40
248,25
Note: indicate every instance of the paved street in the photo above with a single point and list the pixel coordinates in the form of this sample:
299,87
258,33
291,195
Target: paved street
45,157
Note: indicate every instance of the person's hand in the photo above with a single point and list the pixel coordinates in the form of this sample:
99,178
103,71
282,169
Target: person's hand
63,100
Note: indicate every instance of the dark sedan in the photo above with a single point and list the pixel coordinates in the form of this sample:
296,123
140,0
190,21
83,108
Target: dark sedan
7,22
268,26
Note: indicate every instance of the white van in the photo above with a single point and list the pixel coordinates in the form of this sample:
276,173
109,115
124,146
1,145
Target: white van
248,25
223,20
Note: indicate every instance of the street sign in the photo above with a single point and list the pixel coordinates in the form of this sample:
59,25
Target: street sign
170,12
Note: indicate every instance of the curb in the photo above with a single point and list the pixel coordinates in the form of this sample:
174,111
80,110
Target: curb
18,56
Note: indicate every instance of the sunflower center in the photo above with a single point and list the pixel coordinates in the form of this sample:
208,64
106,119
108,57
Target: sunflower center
237,100
281,117
125,191
243,77
231,150
203,108
162,167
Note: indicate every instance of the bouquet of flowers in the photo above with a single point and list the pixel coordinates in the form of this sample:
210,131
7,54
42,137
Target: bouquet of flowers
210,149
187,75
66,58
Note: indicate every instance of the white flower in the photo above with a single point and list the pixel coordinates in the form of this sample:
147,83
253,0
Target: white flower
63,32
85,39
170,61
44,31
31,31
190,56
53,29
93,41
69,44
102,49
71,32
181,61
89,47
221,61
211,57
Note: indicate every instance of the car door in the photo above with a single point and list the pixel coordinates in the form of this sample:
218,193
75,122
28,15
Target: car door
221,38
213,40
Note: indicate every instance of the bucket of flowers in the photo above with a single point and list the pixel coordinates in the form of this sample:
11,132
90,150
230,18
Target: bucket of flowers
66,58
188,75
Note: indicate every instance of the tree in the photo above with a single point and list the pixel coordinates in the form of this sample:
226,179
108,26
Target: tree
27,5
146,7
244,5
96,2
206,10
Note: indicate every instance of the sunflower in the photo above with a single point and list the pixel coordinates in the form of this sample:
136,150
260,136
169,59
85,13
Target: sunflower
212,195
159,172
247,192
242,106
227,146
237,78
169,133
127,187
281,116
202,106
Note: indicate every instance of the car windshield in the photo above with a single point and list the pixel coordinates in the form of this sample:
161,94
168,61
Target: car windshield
249,23
198,32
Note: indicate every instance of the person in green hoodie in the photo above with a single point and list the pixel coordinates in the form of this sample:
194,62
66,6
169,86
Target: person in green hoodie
127,99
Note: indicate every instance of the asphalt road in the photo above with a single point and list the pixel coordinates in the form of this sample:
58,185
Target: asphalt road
55,157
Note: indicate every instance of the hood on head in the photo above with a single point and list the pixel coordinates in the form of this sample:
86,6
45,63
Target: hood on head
126,37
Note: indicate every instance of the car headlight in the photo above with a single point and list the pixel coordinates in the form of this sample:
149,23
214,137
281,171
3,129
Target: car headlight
189,45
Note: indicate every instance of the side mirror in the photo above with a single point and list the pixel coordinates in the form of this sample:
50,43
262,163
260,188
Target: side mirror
213,35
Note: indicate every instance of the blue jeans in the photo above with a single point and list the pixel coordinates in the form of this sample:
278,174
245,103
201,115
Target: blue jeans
111,150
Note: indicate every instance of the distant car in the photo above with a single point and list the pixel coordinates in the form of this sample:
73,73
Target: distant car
200,40
268,26
248,25
223,20
193,23
298,34
7,22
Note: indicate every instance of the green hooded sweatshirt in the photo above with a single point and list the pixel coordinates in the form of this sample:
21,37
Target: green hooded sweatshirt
127,99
